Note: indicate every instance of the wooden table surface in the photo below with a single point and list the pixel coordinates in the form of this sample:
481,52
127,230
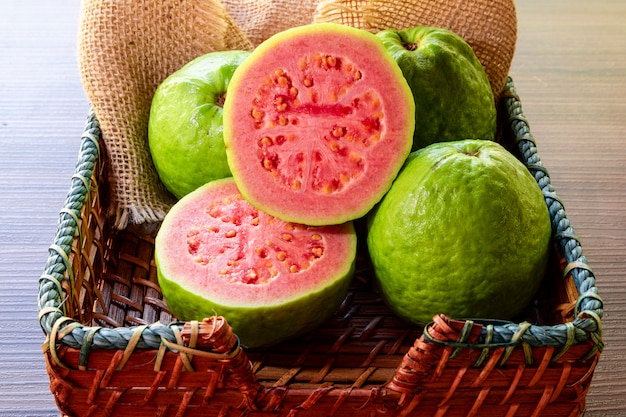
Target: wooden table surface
569,69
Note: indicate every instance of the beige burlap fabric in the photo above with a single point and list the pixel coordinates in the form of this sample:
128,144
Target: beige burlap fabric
260,19
128,47
489,26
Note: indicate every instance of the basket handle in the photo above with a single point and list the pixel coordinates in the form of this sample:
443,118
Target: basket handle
427,358
214,338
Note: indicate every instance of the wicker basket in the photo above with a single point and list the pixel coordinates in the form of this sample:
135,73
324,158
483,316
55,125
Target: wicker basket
113,349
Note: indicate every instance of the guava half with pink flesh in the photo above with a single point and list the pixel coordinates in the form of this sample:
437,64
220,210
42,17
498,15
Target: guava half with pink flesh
272,280
318,122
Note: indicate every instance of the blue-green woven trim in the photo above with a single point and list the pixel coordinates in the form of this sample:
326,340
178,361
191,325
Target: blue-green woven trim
589,308
50,298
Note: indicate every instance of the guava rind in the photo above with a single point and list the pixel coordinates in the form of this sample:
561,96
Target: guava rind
464,231
453,97
380,73
193,292
263,325
185,127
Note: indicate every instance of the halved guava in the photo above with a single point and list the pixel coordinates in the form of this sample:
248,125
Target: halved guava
270,279
318,122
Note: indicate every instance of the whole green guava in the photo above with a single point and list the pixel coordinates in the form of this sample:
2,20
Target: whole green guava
185,128
464,231
453,96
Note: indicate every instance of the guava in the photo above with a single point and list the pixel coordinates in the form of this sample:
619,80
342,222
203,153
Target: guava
318,122
464,231
185,127
453,96
272,280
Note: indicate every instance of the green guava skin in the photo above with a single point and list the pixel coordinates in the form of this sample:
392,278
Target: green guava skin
464,231
259,327
185,128
453,96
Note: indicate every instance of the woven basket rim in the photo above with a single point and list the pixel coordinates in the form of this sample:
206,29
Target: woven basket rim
495,333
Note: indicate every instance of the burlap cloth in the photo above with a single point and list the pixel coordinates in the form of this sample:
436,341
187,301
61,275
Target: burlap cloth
128,47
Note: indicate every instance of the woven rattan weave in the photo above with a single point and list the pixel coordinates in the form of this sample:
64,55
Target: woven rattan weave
113,349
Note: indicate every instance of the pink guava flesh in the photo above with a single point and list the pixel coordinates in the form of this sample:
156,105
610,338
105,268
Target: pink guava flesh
318,122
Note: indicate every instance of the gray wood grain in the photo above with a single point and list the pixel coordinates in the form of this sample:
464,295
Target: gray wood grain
569,69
